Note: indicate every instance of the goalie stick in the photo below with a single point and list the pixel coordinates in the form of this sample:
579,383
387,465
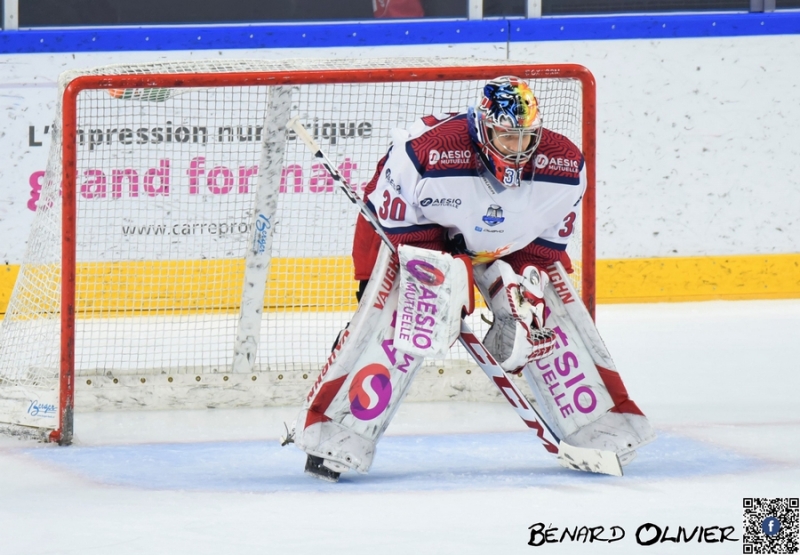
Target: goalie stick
577,458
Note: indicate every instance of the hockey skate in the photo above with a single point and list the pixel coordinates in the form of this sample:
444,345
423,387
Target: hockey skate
320,468
316,466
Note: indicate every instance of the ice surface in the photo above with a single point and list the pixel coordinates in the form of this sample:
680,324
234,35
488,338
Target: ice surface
718,380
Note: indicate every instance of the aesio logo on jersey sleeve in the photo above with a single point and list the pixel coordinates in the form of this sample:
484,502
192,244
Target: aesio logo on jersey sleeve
448,157
388,176
557,164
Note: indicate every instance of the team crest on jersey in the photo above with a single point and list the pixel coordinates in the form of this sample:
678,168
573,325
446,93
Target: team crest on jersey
494,215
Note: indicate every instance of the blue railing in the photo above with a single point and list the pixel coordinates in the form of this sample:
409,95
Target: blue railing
386,33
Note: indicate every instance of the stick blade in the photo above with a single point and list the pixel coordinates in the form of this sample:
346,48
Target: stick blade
589,460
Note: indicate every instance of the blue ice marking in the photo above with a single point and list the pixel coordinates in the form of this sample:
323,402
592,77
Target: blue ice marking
402,463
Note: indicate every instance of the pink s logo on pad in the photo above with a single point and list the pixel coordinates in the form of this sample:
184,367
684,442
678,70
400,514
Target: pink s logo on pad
370,392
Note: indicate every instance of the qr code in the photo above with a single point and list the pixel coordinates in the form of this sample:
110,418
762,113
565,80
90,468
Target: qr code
770,525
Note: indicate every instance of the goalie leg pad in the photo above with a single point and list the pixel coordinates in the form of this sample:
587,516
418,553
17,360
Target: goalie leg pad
578,386
364,381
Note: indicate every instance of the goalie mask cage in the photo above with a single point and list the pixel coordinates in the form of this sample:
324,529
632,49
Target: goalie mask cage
188,251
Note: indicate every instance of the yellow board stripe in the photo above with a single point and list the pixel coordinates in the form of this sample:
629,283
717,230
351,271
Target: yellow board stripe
215,285
208,286
698,278
8,275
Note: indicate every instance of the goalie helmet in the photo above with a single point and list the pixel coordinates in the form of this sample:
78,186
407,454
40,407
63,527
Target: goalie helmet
507,127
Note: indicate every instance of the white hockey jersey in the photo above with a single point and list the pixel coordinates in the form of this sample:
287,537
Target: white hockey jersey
433,185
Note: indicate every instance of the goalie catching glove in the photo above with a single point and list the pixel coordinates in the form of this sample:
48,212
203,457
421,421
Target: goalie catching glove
517,335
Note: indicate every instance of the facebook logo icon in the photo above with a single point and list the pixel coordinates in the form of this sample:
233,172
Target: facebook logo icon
771,526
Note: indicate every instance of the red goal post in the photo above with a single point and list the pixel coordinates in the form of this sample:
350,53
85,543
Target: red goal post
155,86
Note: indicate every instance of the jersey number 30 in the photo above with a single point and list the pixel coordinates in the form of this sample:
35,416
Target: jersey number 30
392,208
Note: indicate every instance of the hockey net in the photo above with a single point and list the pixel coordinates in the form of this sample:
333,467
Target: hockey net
143,282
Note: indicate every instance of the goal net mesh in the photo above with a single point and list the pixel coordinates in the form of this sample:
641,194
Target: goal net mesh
165,187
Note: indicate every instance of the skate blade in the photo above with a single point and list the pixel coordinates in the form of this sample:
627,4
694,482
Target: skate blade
315,466
332,478
589,460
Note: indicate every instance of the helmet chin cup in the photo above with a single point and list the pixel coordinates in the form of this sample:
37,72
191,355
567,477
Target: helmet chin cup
491,173
507,175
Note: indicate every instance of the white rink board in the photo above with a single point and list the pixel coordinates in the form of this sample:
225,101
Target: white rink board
690,162
697,143
28,102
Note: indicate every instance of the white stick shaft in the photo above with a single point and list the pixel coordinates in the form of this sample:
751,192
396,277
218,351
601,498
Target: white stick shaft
295,125
513,395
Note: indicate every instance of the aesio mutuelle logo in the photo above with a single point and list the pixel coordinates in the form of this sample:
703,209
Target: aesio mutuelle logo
448,156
